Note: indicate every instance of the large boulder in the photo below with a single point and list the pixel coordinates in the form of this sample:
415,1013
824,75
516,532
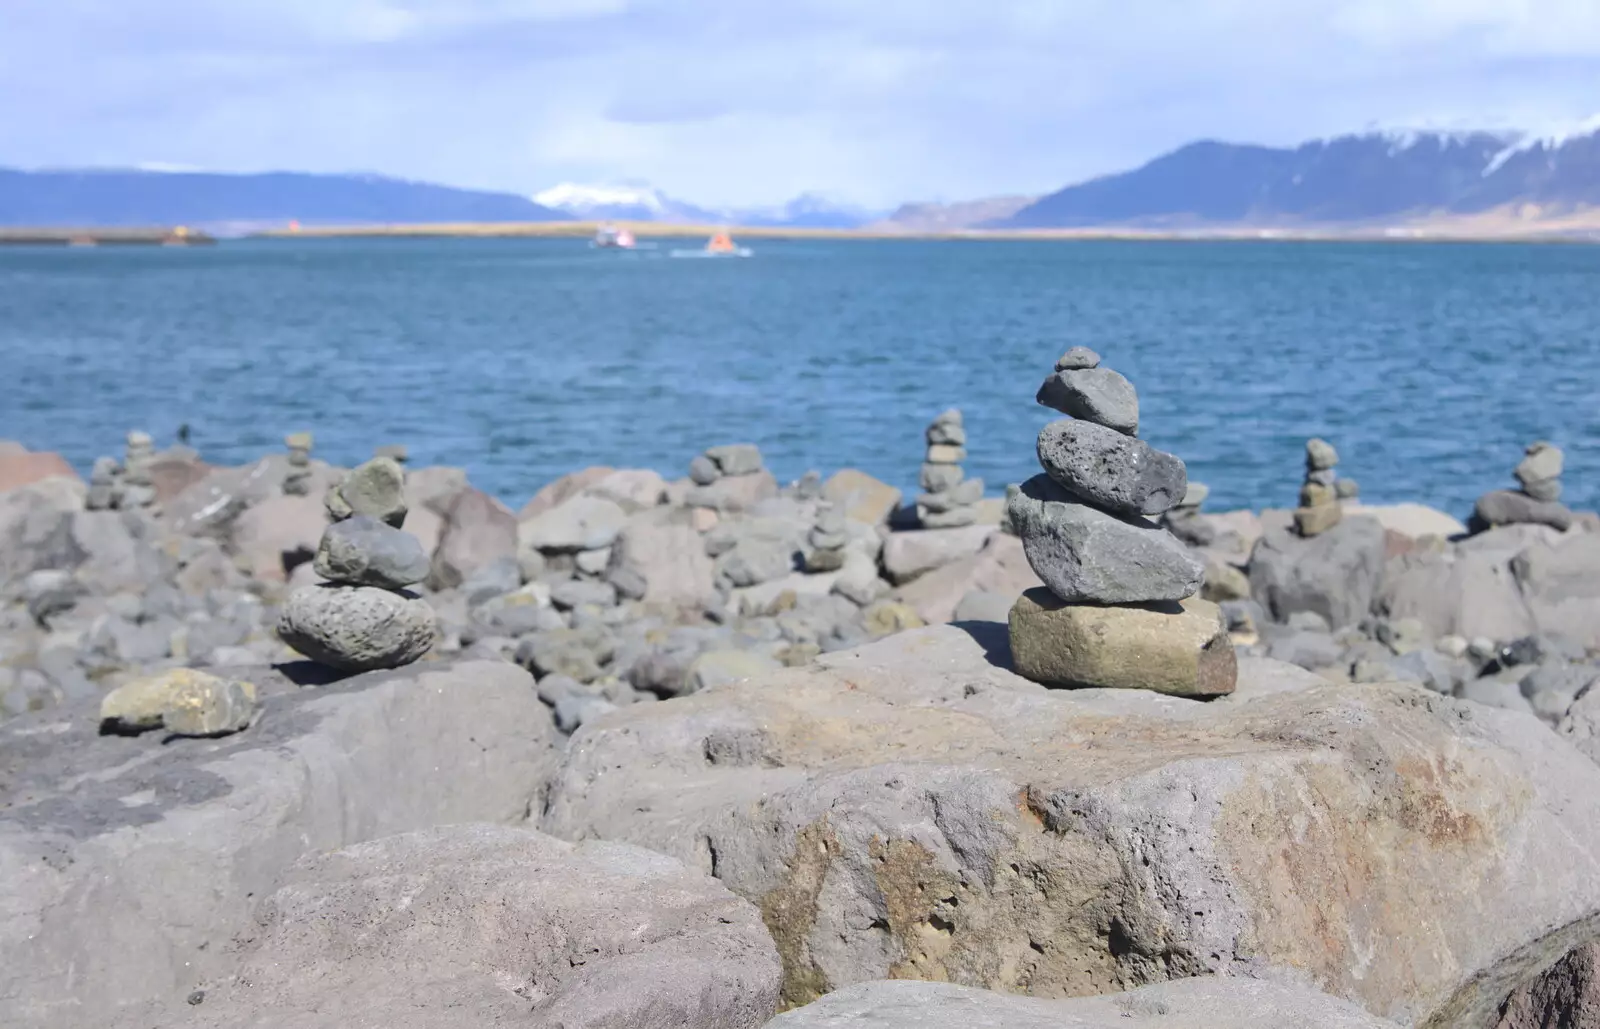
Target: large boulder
278,534
1560,582
1205,1002
1467,589
173,471
118,552
912,809
22,467
907,555
663,547
1334,574
863,498
554,494
1413,521
486,925
127,866
578,523
478,531
1000,568
36,528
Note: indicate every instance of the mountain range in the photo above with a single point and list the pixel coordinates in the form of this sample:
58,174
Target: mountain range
1361,181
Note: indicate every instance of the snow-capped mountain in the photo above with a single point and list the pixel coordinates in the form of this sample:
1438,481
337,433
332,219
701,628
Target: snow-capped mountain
644,203
1360,178
621,203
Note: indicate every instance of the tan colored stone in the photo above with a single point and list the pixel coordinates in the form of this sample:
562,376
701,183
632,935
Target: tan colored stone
1176,648
887,617
553,494
1224,582
1317,494
863,498
1314,521
142,703
209,707
944,453
19,467
704,519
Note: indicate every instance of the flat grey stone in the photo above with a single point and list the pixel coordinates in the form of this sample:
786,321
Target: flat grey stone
1084,554
1509,507
1116,473
1541,461
1077,358
362,551
357,628
736,458
1097,395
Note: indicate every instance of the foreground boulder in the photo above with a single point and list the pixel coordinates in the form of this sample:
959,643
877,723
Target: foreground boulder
1208,1002
912,809
126,867
482,925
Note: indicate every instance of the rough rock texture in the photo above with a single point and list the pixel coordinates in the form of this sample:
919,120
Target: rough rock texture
1468,590
1205,1002
1098,395
376,487
1114,472
486,926
1335,574
1084,554
663,546
1560,582
1181,648
863,498
1000,568
478,531
1566,996
185,701
912,809
357,628
907,555
364,551
171,846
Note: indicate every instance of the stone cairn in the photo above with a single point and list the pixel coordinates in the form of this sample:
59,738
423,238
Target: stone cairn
827,539
1118,607
363,617
105,485
124,486
1537,500
1320,509
297,481
949,499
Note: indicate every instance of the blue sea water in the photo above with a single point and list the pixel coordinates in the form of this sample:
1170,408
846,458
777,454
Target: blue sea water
1428,366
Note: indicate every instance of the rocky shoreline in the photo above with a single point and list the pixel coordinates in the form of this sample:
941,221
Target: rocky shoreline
1292,760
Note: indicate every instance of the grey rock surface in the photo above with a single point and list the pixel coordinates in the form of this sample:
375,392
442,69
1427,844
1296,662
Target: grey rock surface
581,522
1077,357
1116,473
1335,574
1542,462
1545,491
1083,554
1560,582
357,628
703,471
376,487
1509,507
363,551
911,808
491,926
169,848
1098,395
1203,1002
736,458
478,531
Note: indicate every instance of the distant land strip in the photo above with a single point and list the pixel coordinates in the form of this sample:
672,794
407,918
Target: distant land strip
1492,226
155,236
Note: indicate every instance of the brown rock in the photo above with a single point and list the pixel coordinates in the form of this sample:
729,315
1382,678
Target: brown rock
478,530
20,467
1566,996
1314,521
171,474
1178,648
1316,494
863,498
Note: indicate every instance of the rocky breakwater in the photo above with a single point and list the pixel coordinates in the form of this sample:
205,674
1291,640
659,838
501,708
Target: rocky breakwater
1118,606
949,499
363,617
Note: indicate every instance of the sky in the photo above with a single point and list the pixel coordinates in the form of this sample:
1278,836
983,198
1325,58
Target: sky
741,102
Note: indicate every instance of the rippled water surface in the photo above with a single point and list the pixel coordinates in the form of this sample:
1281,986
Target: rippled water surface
1429,366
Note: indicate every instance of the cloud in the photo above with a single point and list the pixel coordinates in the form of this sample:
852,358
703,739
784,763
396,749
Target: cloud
735,102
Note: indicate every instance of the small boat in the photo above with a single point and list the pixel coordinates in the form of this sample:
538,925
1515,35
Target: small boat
719,245
609,237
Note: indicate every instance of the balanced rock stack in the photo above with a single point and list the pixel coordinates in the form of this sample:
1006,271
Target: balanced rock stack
297,481
1319,508
363,617
1119,607
1538,501
137,489
949,499
730,478
827,539
105,485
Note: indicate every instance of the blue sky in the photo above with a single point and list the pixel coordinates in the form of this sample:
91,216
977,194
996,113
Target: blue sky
752,101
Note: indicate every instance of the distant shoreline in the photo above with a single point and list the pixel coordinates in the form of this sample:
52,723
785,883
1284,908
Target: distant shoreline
89,237
1439,232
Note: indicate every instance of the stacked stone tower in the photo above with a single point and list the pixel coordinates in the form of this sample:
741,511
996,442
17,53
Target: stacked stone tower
949,499
1119,607
297,481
